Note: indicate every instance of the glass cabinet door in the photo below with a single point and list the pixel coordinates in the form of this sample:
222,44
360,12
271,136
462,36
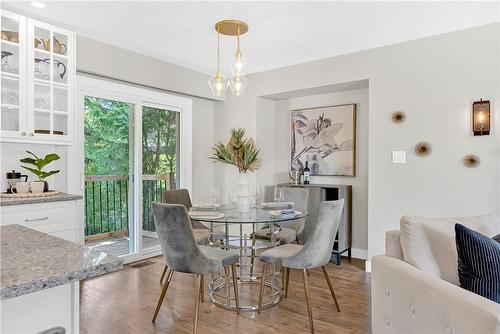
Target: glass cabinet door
13,75
51,67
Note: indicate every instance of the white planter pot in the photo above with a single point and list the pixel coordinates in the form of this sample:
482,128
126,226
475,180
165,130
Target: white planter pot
243,193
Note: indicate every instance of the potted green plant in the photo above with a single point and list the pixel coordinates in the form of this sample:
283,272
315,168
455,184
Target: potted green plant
241,152
38,165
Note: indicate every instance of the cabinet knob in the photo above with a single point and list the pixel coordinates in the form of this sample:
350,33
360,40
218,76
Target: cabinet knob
23,133
31,134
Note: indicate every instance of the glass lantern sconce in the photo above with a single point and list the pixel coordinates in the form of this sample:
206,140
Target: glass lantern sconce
481,118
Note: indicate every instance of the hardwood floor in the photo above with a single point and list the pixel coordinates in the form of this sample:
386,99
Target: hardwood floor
124,302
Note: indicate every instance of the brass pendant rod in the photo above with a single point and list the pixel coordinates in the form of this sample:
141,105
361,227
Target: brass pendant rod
218,53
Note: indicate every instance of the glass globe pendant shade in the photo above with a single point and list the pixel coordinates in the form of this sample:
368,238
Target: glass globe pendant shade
238,85
218,85
239,64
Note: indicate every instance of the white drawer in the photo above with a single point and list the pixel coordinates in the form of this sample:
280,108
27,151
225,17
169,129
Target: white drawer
43,217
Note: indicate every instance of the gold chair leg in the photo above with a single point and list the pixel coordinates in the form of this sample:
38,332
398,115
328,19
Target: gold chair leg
235,287
202,290
197,303
306,289
163,292
163,273
283,278
262,283
287,279
329,281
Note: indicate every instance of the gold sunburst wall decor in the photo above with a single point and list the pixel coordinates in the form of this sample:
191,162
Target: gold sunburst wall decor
472,161
423,149
398,117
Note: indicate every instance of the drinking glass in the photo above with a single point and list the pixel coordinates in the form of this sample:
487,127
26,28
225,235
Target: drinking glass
214,195
258,197
278,194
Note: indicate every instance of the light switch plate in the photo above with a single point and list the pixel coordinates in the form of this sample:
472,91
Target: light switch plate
398,157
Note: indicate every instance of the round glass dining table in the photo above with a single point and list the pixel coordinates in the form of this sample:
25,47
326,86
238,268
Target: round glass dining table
234,230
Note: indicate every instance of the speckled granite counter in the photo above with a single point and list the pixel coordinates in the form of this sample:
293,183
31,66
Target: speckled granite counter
33,200
33,261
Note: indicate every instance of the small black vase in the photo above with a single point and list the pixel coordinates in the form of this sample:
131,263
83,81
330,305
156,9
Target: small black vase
45,186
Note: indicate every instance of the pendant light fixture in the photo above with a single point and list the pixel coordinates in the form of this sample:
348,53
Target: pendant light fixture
238,83
218,84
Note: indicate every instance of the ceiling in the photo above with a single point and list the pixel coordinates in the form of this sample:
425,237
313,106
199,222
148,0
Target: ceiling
280,33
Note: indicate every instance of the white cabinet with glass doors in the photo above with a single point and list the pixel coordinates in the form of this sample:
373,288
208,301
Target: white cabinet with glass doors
38,75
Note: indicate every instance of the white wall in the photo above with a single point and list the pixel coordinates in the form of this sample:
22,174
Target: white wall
434,80
359,182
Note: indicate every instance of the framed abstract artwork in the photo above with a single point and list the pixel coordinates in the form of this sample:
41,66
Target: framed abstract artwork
326,138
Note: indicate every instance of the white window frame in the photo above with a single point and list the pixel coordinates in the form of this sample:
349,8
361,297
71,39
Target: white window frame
138,96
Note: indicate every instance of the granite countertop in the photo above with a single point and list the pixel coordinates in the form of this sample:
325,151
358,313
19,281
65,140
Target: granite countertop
33,200
32,261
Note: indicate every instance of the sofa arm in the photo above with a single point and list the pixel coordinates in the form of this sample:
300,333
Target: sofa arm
407,300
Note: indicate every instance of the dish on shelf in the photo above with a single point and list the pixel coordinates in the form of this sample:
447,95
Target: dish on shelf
44,44
47,132
10,36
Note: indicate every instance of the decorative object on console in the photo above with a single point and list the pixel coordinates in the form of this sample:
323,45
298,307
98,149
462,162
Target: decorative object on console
478,263
218,84
326,137
472,161
241,152
481,118
38,164
13,178
423,149
398,117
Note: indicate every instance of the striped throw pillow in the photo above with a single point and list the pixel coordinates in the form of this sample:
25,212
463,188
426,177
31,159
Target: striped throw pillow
478,263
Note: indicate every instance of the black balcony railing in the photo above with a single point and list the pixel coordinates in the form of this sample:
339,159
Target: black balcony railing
107,202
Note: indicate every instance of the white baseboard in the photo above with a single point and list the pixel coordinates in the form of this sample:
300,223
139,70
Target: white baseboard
358,253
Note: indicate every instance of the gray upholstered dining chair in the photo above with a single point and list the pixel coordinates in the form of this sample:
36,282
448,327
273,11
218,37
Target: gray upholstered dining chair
181,196
183,254
291,232
314,253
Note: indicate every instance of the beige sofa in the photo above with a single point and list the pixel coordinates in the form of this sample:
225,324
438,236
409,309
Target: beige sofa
415,286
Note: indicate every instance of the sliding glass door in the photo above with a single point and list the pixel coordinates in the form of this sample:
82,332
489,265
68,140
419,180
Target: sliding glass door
160,172
109,160
136,145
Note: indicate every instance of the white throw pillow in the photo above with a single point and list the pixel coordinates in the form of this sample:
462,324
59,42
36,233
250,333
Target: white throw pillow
429,243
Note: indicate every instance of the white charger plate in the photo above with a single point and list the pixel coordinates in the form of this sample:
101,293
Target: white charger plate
277,213
278,205
200,215
206,206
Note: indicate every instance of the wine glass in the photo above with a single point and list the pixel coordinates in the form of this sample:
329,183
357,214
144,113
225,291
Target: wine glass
278,194
214,195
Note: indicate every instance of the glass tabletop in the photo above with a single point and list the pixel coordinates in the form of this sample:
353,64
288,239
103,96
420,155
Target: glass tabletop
255,216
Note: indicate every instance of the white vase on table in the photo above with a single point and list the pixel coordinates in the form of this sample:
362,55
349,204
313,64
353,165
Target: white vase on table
243,193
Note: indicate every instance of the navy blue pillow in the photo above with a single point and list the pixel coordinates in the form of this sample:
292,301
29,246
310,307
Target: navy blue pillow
478,263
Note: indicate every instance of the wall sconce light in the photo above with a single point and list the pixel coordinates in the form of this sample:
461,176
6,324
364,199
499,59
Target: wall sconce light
481,118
